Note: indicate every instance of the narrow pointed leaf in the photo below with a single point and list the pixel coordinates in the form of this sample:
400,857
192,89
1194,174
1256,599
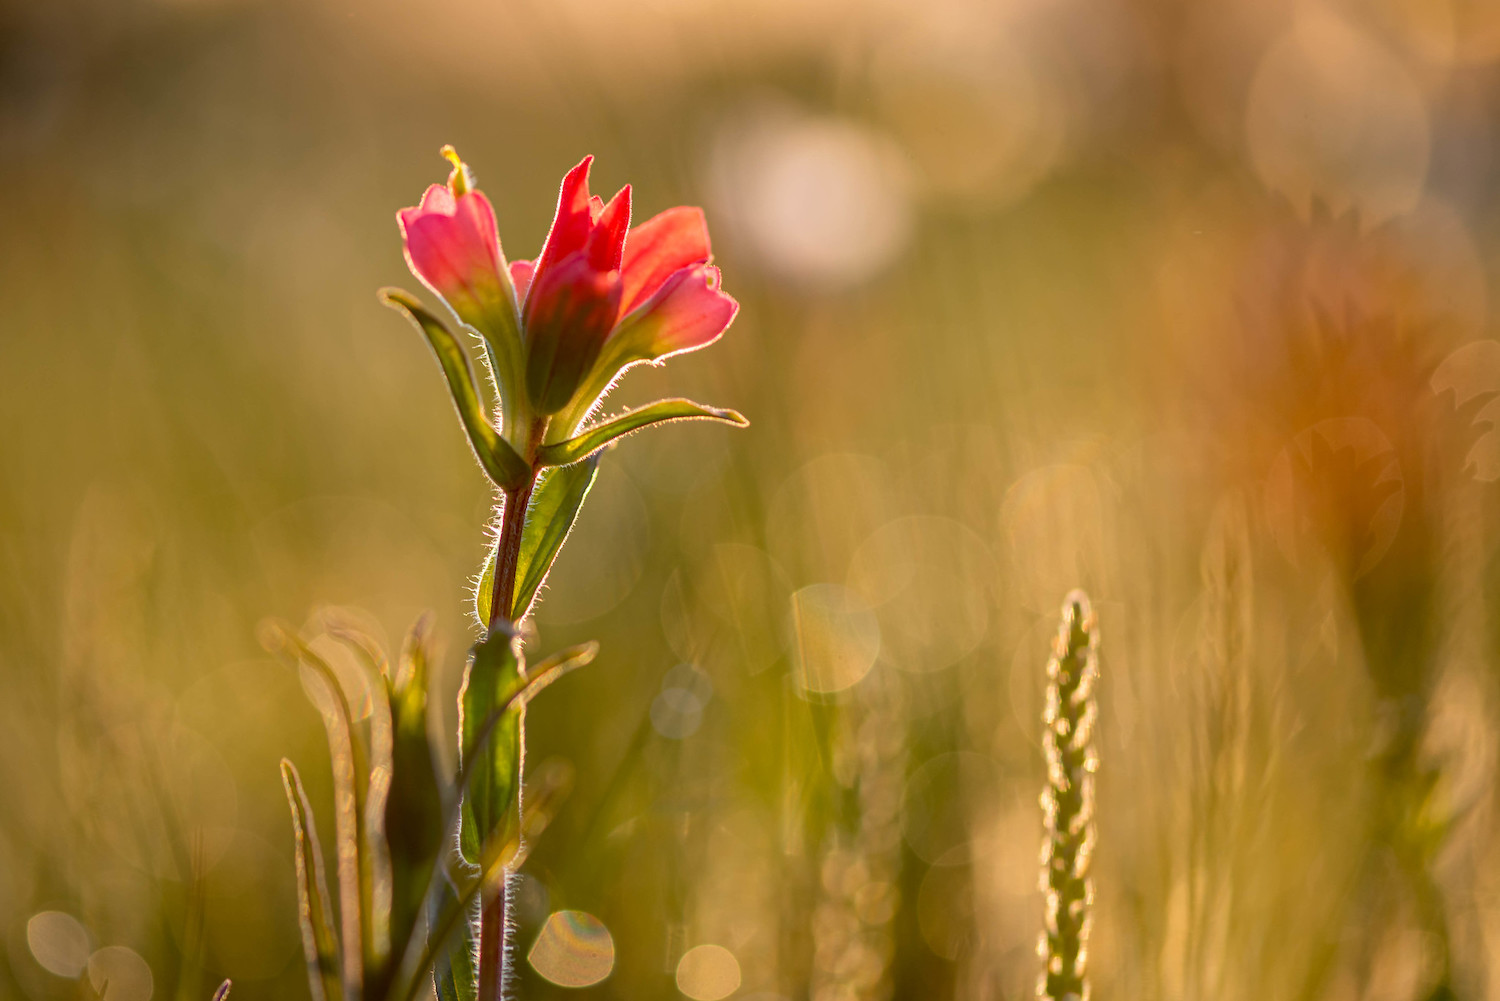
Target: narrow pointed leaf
494,672
544,795
319,944
592,440
349,759
454,972
501,463
554,507
549,519
518,694
553,667
493,701
484,589
222,994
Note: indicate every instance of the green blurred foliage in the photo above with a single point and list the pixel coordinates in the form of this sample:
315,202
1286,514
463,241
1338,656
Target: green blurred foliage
1185,304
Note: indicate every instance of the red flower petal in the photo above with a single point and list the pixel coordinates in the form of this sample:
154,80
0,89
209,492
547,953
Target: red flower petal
658,248
452,245
573,222
436,200
520,276
569,315
687,312
607,241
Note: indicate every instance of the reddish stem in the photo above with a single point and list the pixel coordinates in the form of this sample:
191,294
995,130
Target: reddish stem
492,922
508,556
493,916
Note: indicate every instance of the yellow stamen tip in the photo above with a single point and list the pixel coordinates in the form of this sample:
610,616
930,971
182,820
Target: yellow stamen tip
459,181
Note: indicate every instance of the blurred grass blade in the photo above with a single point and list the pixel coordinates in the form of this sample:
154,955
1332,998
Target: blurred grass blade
351,772
414,811
501,463
549,518
319,944
592,440
374,850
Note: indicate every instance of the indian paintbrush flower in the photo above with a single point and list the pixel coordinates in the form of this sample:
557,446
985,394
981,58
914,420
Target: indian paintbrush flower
557,333
559,330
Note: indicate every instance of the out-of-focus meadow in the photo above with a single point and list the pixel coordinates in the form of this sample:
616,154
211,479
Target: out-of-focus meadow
1188,304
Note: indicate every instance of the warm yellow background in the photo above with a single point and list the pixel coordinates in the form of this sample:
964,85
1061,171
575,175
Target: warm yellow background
1170,300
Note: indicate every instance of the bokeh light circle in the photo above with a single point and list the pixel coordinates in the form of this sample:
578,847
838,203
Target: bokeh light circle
120,974
573,949
676,713
931,581
1054,521
836,638
820,200
59,942
1469,373
1333,116
938,820
708,973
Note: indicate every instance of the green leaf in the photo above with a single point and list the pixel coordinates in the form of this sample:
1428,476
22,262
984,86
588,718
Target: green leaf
492,702
544,794
522,692
501,463
550,668
492,766
454,972
554,507
319,944
595,438
484,589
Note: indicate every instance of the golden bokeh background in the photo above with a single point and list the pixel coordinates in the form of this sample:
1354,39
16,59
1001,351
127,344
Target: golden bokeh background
1186,303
